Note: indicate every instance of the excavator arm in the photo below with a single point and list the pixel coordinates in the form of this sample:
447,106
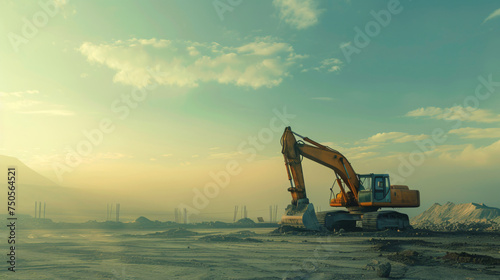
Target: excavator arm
293,150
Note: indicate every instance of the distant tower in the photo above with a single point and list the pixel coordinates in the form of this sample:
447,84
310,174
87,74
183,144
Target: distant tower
185,216
235,213
117,212
110,211
44,207
39,209
36,207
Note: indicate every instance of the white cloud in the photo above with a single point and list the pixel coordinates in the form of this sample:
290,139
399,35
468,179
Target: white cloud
395,137
139,62
345,44
20,104
28,102
410,138
299,14
356,152
329,64
470,155
495,14
476,133
456,113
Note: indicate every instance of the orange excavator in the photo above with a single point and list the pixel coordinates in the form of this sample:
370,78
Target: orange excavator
362,194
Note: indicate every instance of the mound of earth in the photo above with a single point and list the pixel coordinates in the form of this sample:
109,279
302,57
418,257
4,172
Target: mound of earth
245,221
143,220
458,217
452,213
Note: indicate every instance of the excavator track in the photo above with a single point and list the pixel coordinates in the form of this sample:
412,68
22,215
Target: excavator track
335,220
382,220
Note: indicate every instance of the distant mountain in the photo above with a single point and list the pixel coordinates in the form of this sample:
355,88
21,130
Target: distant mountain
457,213
26,175
62,203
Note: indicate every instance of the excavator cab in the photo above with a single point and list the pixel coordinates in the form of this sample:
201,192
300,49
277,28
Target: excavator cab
374,187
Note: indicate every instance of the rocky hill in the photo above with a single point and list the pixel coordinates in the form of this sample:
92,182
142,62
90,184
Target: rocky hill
452,217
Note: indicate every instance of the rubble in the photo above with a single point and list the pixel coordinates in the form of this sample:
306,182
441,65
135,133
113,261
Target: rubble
468,258
289,230
384,269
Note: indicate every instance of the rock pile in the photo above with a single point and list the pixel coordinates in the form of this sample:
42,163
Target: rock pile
458,217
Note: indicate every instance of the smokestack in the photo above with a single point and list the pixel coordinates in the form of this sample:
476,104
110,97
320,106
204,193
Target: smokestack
110,211
185,216
117,212
235,213
35,208
275,213
39,209
245,211
271,213
44,206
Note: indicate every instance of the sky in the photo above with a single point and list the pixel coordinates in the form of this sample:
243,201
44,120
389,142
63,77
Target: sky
182,103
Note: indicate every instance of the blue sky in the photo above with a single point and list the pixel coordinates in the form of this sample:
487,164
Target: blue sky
214,71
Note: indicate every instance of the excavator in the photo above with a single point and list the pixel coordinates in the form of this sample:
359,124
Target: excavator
361,194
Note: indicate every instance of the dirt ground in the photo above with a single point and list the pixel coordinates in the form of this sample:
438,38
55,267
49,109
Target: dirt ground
250,254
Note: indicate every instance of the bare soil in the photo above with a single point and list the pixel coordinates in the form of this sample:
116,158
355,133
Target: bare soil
255,254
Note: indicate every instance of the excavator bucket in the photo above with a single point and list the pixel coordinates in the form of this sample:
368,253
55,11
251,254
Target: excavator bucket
301,216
